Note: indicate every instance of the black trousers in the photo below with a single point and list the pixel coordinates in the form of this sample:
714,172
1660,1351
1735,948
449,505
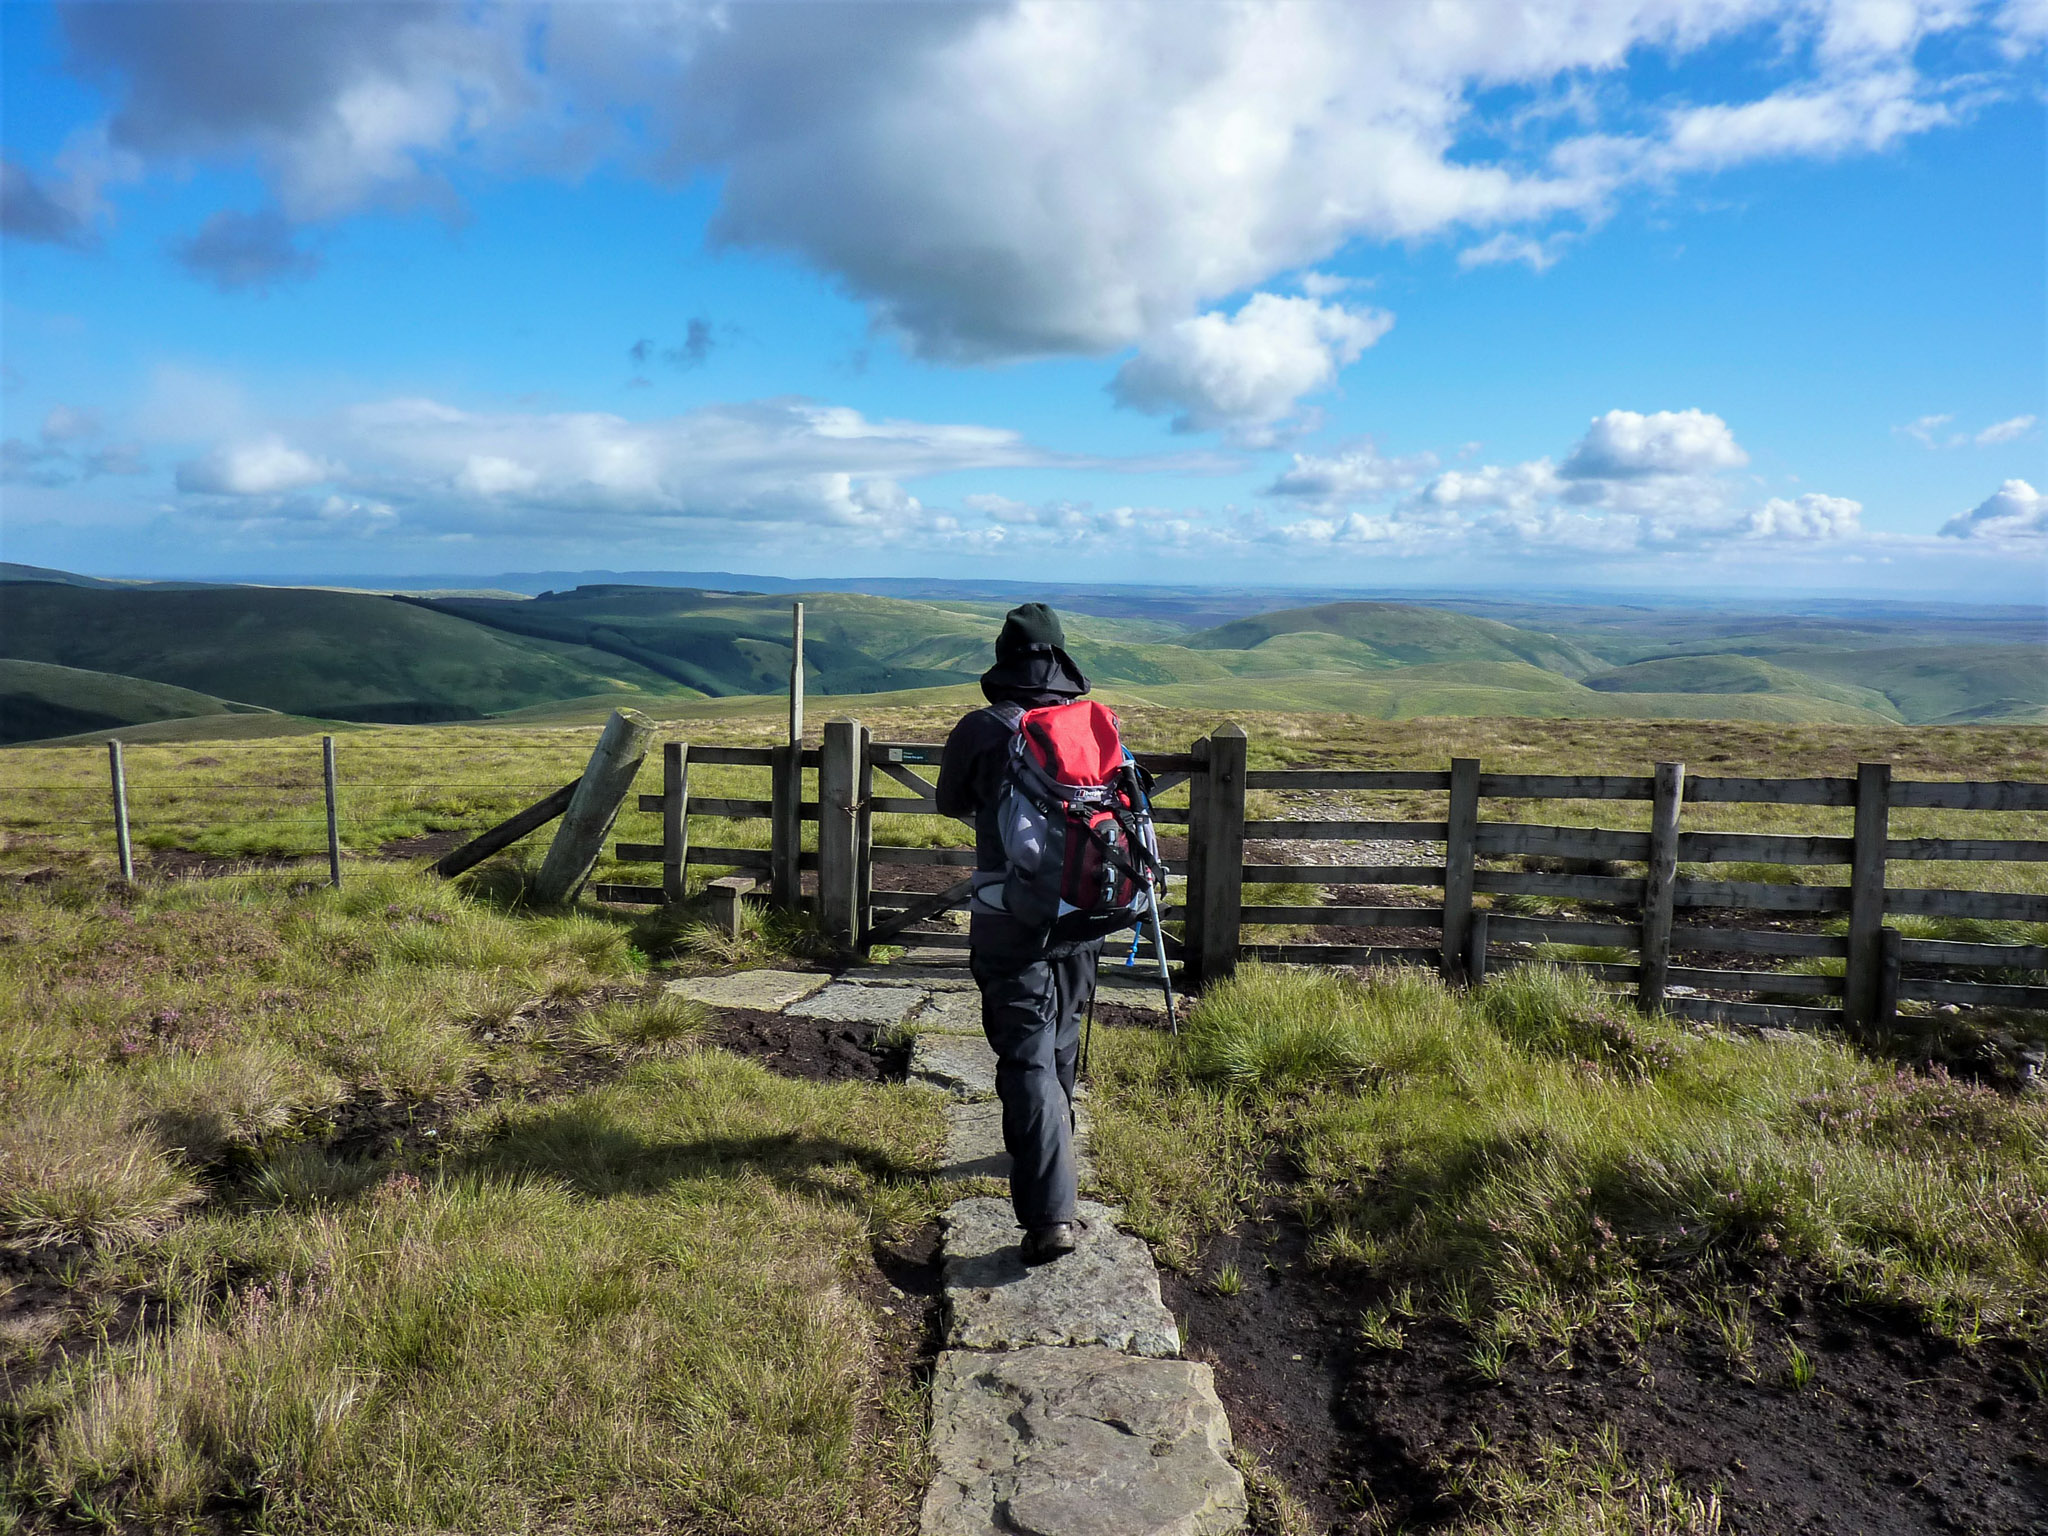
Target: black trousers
1031,1009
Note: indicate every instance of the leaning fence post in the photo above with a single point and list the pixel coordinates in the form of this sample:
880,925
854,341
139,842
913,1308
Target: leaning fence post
675,818
838,820
1216,883
1862,979
333,819
120,777
1659,886
786,825
593,807
1461,842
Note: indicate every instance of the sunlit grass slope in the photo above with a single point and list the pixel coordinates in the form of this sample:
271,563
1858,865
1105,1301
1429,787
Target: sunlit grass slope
333,654
39,700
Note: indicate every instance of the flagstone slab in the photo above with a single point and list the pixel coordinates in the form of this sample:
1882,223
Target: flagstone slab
1079,1442
768,991
951,1013
974,1143
1105,1292
844,1004
931,978
963,1065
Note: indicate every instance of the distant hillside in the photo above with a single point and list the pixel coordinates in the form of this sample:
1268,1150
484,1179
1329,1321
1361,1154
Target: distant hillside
10,571
1396,634
332,654
39,700
1939,684
1734,675
737,643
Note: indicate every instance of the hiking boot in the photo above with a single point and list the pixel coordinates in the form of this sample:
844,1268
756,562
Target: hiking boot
1042,1245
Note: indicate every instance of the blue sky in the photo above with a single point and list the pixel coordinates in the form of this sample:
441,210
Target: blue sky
1718,295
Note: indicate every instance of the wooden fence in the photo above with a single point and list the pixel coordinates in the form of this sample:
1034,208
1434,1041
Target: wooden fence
1659,915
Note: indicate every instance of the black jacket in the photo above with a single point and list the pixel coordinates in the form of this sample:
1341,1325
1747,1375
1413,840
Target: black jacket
971,779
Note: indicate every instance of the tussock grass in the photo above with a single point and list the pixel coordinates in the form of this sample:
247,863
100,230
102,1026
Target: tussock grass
74,1170
631,1306
1534,1155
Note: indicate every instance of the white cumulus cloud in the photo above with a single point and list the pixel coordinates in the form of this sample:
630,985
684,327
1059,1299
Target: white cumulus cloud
2014,511
1812,516
1027,176
1628,445
262,467
1246,372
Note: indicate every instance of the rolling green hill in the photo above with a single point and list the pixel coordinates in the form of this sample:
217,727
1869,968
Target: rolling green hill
39,700
358,655
1939,684
337,655
1398,634
1734,675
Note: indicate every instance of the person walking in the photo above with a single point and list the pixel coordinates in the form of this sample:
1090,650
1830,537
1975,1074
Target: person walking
1035,986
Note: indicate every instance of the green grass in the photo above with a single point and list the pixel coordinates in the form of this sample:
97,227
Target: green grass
1733,674
589,1274
339,655
1535,1155
38,700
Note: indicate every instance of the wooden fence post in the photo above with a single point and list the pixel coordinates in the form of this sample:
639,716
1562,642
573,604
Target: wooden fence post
796,672
675,818
1475,965
838,825
333,817
1861,981
1655,944
786,825
1461,840
593,807
1888,957
863,832
1215,899
120,777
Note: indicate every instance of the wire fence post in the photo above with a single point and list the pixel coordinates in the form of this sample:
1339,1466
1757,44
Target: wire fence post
120,778
333,819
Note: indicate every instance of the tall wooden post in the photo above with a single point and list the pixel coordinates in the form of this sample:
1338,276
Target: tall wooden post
675,818
120,777
333,816
838,825
1862,981
863,834
593,807
796,672
786,825
1215,898
1659,885
1888,956
1461,842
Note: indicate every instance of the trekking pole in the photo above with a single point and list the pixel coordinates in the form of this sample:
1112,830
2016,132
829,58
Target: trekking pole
1159,952
1087,1037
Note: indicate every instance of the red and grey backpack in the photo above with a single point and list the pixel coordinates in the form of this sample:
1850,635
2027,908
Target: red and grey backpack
1079,851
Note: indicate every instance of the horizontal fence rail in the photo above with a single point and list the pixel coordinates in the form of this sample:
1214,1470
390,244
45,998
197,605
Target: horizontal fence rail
1643,909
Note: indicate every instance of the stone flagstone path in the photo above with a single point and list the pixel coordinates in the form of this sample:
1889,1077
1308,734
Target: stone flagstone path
1059,1407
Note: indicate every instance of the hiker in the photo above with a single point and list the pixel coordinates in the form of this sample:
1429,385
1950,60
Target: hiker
1078,862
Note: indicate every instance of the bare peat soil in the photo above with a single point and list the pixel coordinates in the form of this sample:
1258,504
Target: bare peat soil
1898,1431
816,1050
